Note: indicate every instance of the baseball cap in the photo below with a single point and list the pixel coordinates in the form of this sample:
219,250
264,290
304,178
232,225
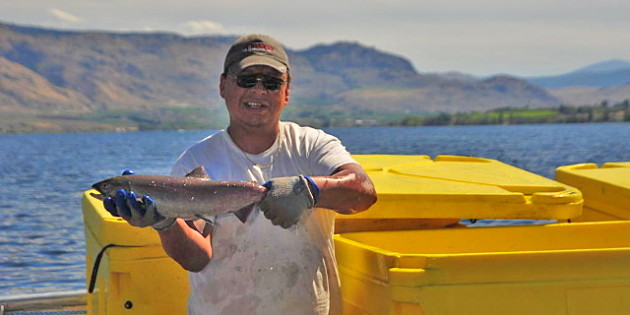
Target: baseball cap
256,49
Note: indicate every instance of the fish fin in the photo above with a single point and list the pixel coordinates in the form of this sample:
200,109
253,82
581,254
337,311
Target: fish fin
199,216
198,172
242,214
203,225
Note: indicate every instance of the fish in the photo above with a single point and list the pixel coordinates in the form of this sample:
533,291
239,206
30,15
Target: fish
192,196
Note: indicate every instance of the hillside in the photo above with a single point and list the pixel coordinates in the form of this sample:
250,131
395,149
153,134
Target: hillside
600,75
26,91
607,81
592,95
68,80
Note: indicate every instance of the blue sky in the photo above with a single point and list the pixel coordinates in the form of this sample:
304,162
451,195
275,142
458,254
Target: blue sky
479,37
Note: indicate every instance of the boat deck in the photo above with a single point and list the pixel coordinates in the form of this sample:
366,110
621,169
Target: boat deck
52,303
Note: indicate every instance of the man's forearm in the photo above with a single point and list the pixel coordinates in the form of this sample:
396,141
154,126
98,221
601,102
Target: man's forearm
186,246
347,191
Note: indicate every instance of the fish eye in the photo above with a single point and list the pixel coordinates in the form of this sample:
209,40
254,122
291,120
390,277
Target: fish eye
105,186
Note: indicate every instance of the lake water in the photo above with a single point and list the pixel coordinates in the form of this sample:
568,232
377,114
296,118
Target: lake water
42,177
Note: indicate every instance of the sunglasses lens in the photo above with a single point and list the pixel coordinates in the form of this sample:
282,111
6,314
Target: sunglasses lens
246,82
249,81
272,84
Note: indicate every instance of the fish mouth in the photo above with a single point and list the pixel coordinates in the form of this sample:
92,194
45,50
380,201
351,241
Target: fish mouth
101,188
98,196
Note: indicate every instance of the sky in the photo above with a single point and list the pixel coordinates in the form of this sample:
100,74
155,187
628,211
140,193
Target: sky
477,37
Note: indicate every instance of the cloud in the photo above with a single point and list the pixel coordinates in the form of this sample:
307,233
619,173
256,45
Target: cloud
63,17
201,27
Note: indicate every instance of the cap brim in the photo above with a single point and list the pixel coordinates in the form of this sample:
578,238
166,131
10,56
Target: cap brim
255,60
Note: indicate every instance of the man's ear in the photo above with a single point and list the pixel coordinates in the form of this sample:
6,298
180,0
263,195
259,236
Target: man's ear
286,96
222,85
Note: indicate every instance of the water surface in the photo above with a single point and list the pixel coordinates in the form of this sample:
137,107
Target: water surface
42,177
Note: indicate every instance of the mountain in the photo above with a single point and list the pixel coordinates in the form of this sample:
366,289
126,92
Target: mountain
140,80
605,66
600,75
113,70
27,91
607,81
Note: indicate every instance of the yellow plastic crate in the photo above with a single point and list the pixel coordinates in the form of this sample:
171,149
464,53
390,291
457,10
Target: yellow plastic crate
606,190
463,187
577,268
134,276
414,192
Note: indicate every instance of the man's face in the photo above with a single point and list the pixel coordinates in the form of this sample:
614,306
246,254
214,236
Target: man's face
257,106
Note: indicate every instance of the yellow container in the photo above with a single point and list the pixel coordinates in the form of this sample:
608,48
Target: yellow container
606,190
463,187
578,268
134,276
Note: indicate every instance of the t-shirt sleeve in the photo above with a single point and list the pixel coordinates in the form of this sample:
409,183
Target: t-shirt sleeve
328,154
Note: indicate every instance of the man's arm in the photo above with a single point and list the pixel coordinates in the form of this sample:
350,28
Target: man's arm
348,190
188,243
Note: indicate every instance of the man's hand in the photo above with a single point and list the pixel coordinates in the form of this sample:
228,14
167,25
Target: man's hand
140,212
287,198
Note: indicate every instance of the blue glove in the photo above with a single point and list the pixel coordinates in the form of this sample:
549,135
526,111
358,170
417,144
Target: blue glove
108,202
128,172
287,198
140,212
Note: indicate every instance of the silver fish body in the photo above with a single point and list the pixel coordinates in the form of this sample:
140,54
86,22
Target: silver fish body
188,197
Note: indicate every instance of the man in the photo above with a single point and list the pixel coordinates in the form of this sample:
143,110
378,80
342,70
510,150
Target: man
281,259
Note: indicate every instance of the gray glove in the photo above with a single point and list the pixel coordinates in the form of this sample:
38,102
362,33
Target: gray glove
287,198
140,213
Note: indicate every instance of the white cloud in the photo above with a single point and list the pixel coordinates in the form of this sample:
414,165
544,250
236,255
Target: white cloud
201,27
63,17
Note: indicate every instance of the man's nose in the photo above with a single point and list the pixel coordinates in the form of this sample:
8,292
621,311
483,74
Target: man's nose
259,87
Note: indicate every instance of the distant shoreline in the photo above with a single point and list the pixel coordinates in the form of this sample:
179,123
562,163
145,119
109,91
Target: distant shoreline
131,121
601,113
428,123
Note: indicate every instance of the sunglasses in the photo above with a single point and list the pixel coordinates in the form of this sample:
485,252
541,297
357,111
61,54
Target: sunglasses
248,81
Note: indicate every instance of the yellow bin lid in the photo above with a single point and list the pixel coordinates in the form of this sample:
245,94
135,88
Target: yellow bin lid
411,186
606,188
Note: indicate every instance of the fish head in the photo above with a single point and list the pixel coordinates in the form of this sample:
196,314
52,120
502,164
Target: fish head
109,187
